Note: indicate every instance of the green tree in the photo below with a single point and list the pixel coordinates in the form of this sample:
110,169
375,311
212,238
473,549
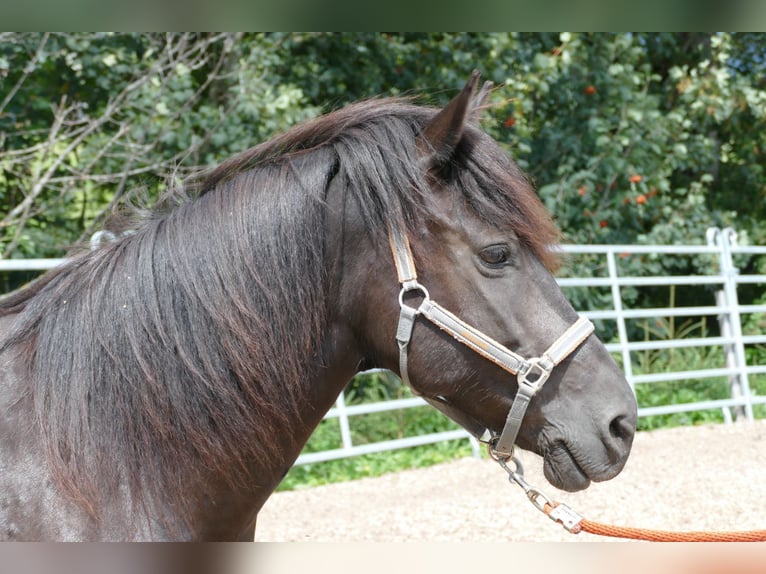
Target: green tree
629,137
86,117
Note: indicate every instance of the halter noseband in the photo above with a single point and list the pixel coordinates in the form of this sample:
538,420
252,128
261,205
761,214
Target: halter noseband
531,373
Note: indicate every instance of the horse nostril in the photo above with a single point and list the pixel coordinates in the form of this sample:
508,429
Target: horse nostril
621,429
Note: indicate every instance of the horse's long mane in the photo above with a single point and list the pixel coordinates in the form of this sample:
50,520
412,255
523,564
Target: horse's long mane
183,348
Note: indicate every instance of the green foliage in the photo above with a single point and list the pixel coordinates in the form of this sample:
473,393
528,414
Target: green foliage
369,465
376,427
690,359
755,324
629,137
87,117
674,360
679,392
624,150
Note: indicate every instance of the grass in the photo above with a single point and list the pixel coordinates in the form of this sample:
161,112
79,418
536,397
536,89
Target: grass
371,428
674,360
376,427
689,359
376,464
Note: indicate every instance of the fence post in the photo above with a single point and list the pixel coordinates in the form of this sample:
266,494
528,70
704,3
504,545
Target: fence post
622,330
729,319
345,429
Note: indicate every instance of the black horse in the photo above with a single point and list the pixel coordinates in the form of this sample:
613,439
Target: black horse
161,386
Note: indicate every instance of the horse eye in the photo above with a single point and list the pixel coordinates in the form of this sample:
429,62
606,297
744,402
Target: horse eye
495,255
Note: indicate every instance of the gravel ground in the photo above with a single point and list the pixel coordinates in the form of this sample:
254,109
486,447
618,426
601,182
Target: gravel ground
691,478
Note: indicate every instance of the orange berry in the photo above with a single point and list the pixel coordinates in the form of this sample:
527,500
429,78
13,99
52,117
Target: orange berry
641,199
603,223
634,178
581,191
590,90
509,122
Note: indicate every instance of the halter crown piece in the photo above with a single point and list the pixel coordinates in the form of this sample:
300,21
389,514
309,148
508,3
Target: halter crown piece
531,373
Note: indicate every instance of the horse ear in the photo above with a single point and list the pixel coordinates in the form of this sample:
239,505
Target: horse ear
441,135
479,102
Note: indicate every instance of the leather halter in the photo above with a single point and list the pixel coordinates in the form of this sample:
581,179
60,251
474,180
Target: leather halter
531,373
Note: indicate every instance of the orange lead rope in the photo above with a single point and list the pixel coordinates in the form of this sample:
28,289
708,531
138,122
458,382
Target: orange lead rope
574,523
600,529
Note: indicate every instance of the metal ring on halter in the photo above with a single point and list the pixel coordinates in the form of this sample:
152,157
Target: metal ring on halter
412,286
501,459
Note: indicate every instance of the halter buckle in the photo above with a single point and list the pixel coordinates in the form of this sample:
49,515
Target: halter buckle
536,373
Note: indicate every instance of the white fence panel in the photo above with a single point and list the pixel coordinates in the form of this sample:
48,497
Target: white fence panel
720,243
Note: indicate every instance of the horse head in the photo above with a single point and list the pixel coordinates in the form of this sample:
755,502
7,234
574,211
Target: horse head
484,332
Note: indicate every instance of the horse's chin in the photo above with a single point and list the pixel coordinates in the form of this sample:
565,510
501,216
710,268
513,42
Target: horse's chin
562,470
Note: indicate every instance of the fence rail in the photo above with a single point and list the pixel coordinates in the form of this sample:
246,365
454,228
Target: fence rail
726,307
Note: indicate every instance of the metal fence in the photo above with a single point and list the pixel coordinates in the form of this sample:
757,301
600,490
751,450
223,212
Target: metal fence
725,306
724,279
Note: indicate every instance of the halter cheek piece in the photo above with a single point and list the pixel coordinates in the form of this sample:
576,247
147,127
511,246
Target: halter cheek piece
531,373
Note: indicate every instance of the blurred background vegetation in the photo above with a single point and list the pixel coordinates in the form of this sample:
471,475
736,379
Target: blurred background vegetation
629,138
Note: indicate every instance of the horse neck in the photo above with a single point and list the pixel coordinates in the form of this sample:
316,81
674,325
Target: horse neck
335,363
